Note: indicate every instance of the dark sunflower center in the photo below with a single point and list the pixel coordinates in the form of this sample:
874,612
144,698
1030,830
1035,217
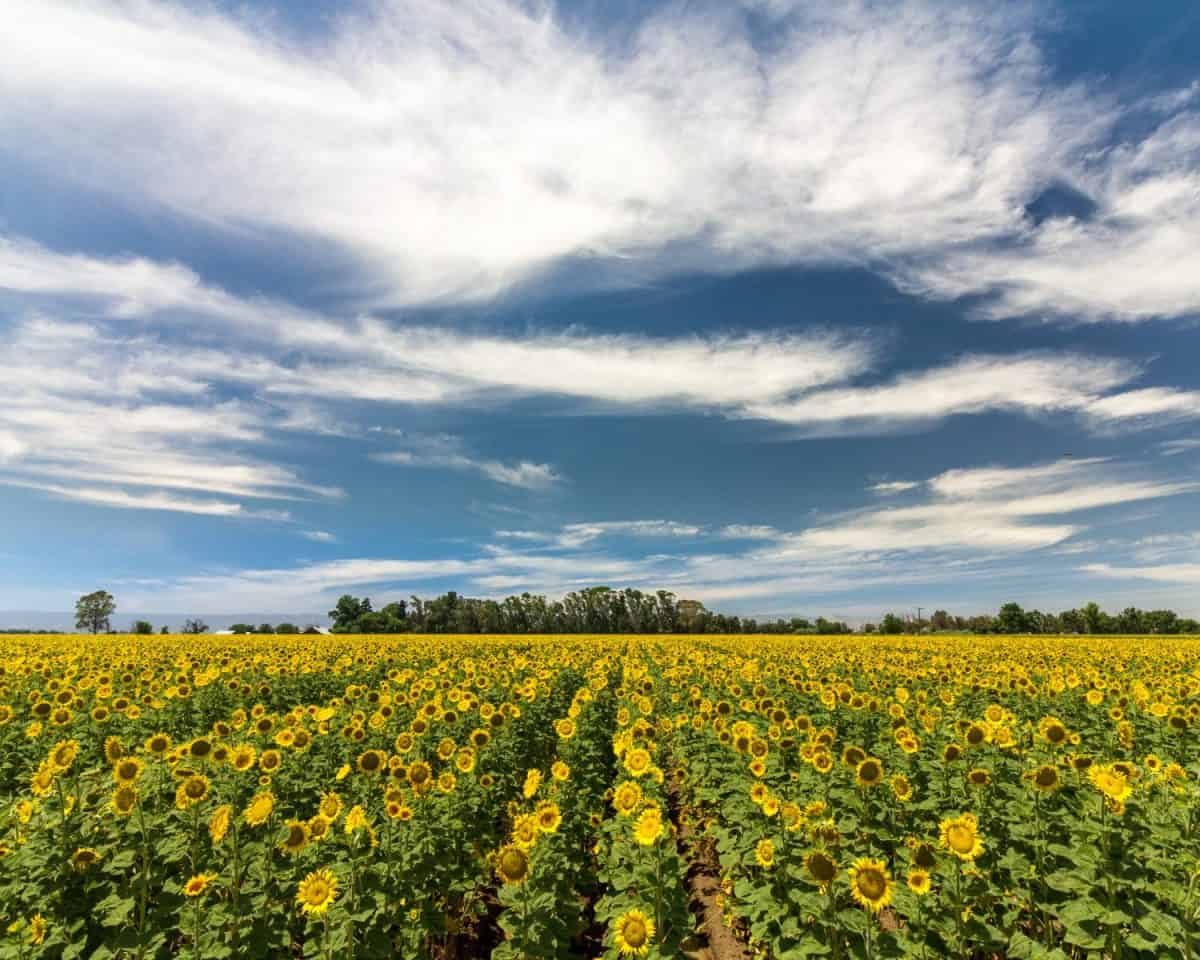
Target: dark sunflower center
871,883
634,932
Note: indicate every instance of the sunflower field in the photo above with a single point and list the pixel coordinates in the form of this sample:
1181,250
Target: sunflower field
545,797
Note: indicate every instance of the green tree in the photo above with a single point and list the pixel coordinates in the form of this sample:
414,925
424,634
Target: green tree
93,611
195,626
891,624
1012,619
143,627
287,628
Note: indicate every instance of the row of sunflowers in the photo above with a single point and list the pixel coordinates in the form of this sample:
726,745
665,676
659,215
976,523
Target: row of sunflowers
452,797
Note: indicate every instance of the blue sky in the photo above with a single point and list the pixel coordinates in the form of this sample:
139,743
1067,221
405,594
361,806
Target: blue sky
786,308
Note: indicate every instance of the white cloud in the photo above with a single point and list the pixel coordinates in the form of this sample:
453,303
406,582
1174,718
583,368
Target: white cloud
130,424
1136,258
153,500
298,361
1031,383
1161,573
319,536
749,531
893,486
577,534
1172,448
449,453
420,132
1148,405
976,524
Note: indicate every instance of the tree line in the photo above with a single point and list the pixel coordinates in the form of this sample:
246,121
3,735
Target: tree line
1012,618
605,610
591,610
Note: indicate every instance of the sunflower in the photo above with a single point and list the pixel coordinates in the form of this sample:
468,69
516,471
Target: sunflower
371,761
902,788
197,884
317,891
525,831
1111,782
318,828
41,784
128,770
871,884
63,754
919,881
124,800
419,775
632,933
649,827
296,839
158,744
548,817
869,772
560,771
270,760
1045,778
533,780
464,761
923,854
201,748
114,750
37,929
1053,731
764,853
512,865
565,728
979,777
218,826
244,756
960,835
821,868
259,808
83,858
330,806
193,790
637,761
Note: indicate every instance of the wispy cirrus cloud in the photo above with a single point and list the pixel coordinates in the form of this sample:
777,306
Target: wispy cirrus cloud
860,132
450,453
969,521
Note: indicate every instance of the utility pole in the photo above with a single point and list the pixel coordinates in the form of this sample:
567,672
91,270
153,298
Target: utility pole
919,619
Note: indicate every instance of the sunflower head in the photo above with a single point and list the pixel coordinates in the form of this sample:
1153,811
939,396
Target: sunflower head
83,858
512,865
960,835
633,932
871,884
821,867
317,891
764,853
296,838
1045,778
259,808
869,772
198,884
919,881
649,827
124,800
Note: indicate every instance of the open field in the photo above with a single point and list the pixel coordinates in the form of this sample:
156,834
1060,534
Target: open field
442,796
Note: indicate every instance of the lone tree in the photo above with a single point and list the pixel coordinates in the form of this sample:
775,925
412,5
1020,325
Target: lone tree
142,627
195,626
92,611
